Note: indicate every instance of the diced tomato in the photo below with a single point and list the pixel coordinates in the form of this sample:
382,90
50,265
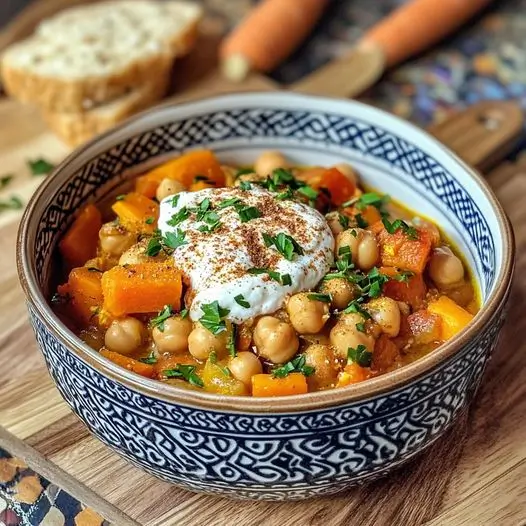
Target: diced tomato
340,186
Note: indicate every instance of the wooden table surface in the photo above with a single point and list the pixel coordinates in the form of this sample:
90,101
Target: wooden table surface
475,475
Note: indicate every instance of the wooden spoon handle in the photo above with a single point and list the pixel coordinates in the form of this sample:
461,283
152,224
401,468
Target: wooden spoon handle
483,134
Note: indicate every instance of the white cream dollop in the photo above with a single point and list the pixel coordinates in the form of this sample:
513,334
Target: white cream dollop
215,264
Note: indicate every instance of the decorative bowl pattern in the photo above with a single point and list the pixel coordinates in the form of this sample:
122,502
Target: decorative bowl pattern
294,447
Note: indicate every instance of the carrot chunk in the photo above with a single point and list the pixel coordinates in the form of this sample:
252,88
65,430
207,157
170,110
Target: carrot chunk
340,186
143,369
454,318
137,213
184,169
353,374
80,242
85,294
425,326
412,291
268,385
141,288
399,250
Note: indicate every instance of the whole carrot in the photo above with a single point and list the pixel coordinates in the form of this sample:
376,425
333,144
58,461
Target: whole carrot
270,33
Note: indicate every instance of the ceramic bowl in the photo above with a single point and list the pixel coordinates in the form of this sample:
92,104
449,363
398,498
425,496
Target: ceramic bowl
288,447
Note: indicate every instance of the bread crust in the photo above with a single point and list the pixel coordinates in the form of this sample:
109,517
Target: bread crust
80,95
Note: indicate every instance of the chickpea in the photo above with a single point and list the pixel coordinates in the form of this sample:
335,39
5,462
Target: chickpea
325,364
201,342
333,220
168,187
368,251
348,171
244,366
307,316
386,313
445,269
135,254
345,335
341,290
363,246
174,336
125,335
275,340
115,239
269,161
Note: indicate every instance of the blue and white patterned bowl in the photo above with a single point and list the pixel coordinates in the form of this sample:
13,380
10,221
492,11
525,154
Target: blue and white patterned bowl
291,447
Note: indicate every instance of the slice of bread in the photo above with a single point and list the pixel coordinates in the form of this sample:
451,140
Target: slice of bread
76,128
91,54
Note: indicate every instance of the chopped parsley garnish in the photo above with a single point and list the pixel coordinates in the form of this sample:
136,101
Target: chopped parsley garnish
308,192
213,317
159,320
231,343
315,296
120,197
245,185
149,220
410,231
213,359
247,213
284,279
286,194
13,203
344,221
175,200
360,355
175,240
5,180
296,365
185,372
360,327
360,221
355,307
229,202
240,300
286,245
183,313
404,276
150,359
372,199
40,166
179,217
202,209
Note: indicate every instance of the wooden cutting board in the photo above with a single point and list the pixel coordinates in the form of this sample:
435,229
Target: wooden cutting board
473,476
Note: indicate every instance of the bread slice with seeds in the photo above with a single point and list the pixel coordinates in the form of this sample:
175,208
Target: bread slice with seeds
88,55
76,128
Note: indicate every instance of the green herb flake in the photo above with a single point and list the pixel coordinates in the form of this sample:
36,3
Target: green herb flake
360,327
154,246
231,342
179,217
175,200
355,307
40,166
163,315
286,194
245,185
315,296
360,221
213,317
284,279
296,365
344,221
286,245
240,300
184,313
174,240
404,276
150,359
308,192
232,201
248,213
359,355
185,372
149,220
410,231
372,199
5,180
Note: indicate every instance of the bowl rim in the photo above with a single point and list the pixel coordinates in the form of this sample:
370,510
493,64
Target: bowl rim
388,382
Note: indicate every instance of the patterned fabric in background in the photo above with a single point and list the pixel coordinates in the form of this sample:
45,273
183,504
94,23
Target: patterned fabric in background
486,60
27,498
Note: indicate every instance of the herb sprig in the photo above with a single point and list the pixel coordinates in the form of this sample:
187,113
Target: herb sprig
296,365
186,373
213,317
359,355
